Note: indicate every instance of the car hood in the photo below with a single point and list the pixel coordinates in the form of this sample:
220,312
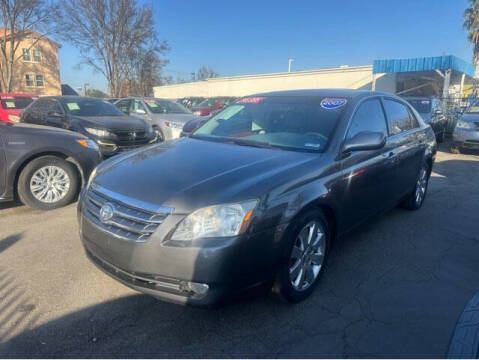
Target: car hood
470,117
189,173
179,118
113,122
42,129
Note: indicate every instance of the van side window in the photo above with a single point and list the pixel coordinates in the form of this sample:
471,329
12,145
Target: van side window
368,117
398,116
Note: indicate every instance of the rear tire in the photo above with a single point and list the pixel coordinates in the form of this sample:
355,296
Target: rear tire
304,260
47,183
415,200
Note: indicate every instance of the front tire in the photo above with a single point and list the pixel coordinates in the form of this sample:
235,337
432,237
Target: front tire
304,258
47,183
415,200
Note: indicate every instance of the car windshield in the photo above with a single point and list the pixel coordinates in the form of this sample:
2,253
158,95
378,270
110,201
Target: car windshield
90,107
422,106
157,106
16,103
288,122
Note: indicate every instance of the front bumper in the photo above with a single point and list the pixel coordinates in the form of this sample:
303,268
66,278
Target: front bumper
468,139
109,148
164,268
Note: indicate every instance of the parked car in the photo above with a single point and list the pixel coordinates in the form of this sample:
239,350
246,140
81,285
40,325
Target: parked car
101,121
269,183
211,106
44,166
166,117
11,104
466,132
432,111
189,102
192,125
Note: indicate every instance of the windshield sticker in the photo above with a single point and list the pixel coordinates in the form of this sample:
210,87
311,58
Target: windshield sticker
251,100
332,103
151,103
316,146
73,106
10,104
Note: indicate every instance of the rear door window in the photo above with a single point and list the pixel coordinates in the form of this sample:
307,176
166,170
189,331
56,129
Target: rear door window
368,117
398,117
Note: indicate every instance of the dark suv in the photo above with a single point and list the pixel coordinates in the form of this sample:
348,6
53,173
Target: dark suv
101,121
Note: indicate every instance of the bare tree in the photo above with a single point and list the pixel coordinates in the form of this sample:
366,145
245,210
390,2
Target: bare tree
471,24
108,33
205,73
20,19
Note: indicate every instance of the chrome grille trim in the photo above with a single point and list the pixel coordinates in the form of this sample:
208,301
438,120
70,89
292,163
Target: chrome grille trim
130,221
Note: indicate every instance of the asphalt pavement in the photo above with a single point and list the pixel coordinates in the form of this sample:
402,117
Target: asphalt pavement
396,287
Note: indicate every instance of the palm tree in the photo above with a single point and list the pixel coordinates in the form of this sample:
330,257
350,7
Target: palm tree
471,24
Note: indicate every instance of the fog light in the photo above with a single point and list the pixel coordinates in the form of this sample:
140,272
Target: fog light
194,288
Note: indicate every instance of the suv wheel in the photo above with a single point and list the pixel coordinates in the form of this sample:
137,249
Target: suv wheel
48,182
305,257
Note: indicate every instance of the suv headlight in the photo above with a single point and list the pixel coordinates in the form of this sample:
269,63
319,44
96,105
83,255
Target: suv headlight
98,132
216,221
461,124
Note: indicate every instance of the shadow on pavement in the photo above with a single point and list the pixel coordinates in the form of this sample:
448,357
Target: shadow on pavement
5,243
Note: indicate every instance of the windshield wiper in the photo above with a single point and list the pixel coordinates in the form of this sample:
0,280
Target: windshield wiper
252,143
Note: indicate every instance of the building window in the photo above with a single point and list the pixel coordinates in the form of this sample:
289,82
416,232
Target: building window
26,54
39,79
29,80
37,55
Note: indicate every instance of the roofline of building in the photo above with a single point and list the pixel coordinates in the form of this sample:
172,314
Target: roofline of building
281,74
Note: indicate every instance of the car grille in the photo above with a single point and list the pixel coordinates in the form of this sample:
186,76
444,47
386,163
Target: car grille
131,137
128,222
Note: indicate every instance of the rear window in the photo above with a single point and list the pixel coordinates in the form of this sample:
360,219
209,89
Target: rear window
421,106
16,103
301,123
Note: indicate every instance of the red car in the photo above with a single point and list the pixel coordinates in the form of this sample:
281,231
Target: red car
12,104
211,105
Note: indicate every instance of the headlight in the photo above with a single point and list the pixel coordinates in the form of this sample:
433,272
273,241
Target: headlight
463,125
216,221
99,132
88,143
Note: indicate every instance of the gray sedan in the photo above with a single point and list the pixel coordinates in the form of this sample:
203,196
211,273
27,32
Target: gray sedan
466,132
166,117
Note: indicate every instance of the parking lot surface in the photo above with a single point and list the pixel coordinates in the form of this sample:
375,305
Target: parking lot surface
394,288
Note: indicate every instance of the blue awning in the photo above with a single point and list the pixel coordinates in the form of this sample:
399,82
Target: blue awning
423,64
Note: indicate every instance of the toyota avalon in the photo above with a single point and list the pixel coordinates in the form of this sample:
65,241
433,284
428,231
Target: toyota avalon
270,183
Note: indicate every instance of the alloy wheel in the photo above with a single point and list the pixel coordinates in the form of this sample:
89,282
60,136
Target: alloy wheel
307,256
50,184
421,186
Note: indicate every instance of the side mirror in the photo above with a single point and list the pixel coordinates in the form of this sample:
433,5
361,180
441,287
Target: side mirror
140,112
365,140
55,118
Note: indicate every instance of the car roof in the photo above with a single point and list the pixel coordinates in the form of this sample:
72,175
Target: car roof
324,92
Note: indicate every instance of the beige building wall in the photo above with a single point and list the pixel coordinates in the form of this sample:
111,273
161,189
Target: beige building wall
358,77
48,66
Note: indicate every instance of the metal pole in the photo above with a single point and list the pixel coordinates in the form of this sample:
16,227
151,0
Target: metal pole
461,89
290,61
373,87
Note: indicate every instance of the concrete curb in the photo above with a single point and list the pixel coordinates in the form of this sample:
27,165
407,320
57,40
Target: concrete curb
465,340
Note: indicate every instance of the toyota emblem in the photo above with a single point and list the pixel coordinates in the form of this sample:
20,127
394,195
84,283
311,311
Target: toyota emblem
107,211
